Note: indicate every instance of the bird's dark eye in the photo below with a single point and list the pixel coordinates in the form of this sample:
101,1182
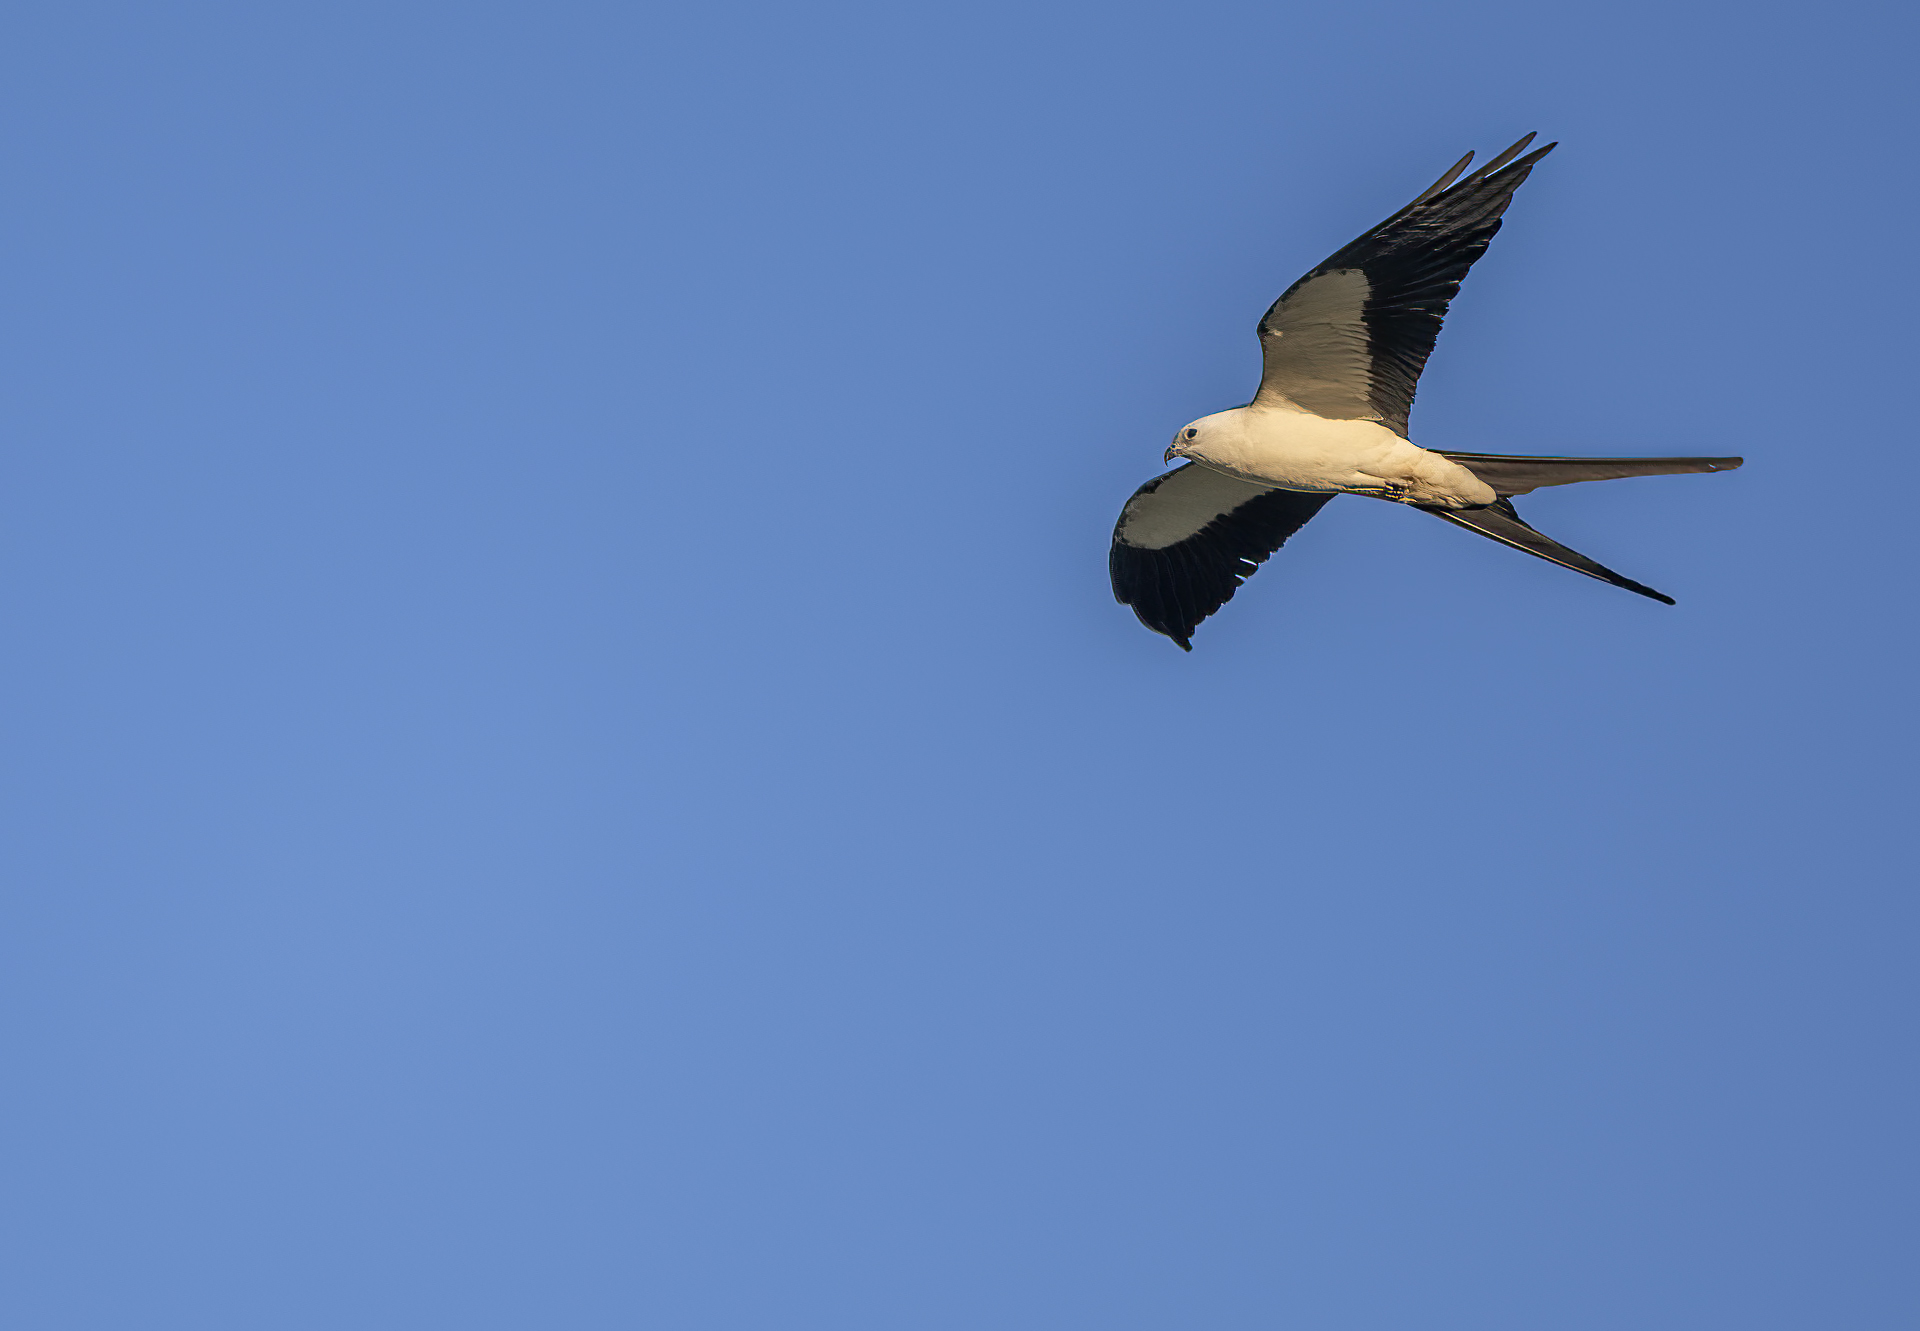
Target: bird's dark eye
1193,434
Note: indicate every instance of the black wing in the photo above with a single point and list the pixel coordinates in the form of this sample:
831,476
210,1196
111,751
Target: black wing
1348,340
1188,539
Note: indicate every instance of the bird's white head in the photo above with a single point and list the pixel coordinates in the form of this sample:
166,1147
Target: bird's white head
1191,440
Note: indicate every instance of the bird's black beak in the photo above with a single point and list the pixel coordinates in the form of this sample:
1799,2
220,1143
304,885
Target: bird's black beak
1172,451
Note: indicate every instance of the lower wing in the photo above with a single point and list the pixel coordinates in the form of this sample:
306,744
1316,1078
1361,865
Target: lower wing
1188,539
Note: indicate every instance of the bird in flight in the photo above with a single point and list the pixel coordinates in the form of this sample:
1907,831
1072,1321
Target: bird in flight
1342,351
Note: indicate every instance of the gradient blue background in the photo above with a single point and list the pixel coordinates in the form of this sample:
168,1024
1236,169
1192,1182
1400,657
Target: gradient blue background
572,763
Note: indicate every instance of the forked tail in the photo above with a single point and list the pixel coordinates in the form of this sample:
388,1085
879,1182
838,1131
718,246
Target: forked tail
1511,476
1499,522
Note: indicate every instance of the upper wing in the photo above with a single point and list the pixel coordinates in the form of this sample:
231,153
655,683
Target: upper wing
1348,340
1188,539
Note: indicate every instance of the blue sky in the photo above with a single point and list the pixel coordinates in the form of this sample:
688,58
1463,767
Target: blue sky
572,763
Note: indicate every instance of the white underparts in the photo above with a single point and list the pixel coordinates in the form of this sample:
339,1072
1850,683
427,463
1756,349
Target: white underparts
1281,445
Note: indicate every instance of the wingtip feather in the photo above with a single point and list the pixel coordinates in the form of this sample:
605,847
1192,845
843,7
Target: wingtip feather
1495,163
1451,174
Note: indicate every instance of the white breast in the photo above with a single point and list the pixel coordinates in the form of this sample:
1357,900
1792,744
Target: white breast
1281,445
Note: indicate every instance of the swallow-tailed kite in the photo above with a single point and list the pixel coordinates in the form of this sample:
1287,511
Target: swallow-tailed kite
1343,349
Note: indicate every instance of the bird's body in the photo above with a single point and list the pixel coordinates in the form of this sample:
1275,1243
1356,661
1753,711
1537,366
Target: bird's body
1277,443
1342,352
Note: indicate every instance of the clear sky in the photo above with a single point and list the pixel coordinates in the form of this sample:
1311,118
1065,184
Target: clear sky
572,763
